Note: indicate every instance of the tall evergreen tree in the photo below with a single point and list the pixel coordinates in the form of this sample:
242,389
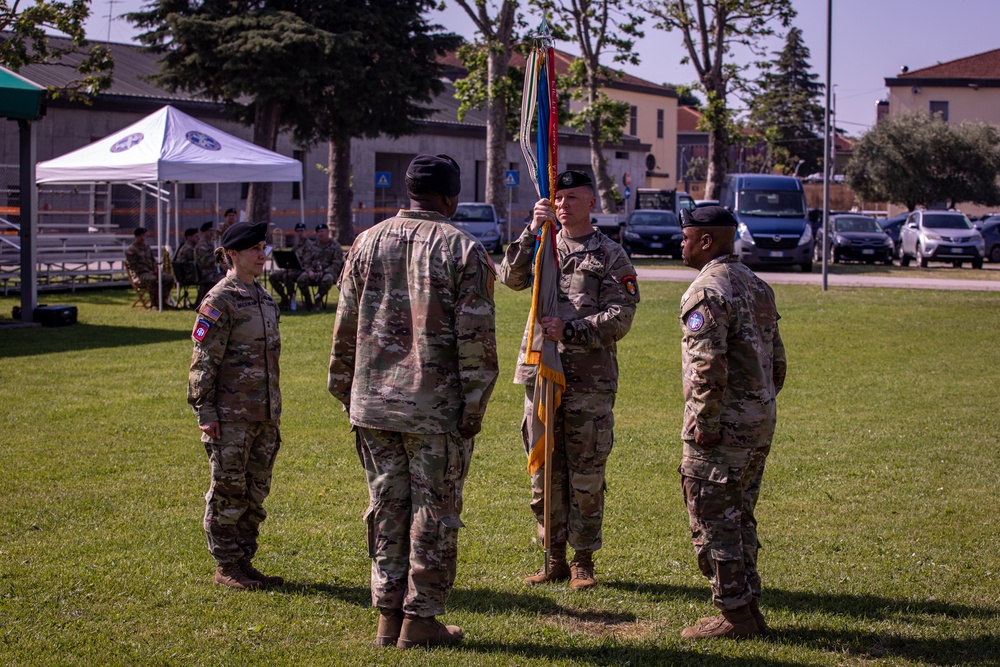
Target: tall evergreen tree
786,111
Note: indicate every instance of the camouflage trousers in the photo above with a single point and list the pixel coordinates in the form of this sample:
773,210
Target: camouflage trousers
325,281
283,282
415,498
152,283
241,462
721,496
584,436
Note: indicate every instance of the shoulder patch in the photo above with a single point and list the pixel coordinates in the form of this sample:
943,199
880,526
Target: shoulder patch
695,321
209,312
201,328
631,285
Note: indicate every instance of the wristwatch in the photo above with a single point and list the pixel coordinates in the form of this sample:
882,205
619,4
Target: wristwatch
569,331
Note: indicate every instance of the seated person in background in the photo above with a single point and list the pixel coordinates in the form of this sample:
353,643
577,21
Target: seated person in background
208,270
322,263
185,254
141,263
283,280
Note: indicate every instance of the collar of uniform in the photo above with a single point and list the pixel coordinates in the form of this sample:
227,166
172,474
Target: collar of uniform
420,215
249,291
722,259
591,242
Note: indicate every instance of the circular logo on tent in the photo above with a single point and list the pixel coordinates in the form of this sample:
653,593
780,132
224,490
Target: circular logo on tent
126,143
202,140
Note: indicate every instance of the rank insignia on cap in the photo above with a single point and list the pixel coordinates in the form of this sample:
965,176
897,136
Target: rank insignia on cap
211,313
631,285
201,328
695,321
567,178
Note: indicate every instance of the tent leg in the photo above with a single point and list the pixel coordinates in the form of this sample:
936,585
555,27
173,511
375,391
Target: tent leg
29,221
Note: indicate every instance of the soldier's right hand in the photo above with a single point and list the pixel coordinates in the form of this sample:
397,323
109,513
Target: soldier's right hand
543,211
211,429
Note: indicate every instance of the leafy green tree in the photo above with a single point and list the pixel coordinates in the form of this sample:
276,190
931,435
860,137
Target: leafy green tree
597,27
490,83
711,31
920,160
26,41
785,110
685,95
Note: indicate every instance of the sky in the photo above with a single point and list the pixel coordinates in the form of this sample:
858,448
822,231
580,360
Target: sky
872,40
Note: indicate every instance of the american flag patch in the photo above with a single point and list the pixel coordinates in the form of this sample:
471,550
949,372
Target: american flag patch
211,313
201,328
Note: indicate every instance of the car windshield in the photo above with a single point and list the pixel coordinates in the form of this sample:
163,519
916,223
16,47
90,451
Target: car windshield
856,225
946,221
781,204
654,219
473,213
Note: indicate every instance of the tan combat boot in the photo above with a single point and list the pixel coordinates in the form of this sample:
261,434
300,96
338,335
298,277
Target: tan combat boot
427,631
558,568
254,573
582,569
232,575
390,622
731,624
759,618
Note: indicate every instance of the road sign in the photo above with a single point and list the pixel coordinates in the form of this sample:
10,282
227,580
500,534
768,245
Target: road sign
628,193
627,178
510,178
383,179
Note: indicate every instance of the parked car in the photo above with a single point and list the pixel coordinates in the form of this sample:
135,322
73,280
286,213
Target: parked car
481,221
855,238
991,237
891,226
940,236
698,203
652,232
774,229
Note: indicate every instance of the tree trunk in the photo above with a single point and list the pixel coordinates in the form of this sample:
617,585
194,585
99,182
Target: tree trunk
265,134
340,197
598,163
496,128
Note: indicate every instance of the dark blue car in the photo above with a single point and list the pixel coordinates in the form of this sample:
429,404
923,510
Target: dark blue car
891,226
652,232
990,229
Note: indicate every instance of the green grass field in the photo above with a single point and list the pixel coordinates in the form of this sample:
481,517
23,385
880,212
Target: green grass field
878,515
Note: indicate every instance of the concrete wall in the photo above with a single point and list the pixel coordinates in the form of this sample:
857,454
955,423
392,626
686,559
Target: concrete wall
964,103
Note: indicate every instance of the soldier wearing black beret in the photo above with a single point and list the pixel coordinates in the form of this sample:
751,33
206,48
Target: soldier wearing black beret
597,298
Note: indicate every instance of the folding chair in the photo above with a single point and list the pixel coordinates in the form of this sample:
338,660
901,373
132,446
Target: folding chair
141,291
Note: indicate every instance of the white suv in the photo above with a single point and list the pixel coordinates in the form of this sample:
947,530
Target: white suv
940,236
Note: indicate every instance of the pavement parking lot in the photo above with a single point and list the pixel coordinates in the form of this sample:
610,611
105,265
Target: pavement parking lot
776,278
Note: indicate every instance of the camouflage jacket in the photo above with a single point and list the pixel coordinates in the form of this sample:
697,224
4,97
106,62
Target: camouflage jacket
139,258
322,257
185,254
414,344
733,360
234,367
598,294
208,268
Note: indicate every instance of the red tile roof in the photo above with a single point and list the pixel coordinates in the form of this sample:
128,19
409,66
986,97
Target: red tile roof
687,119
980,66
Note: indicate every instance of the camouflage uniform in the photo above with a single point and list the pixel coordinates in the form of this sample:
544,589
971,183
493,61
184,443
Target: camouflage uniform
597,295
325,259
414,362
140,260
283,280
733,365
185,270
234,381
207,268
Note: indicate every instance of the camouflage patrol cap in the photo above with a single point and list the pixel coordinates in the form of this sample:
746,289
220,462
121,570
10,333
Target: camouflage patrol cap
243,235
707,216
572,179
436,173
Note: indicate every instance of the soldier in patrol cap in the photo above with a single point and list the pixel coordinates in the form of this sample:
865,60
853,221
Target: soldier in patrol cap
414,362
597,298
233,389
733,366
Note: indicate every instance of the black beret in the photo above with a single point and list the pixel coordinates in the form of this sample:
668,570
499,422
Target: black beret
436,173
707,216
243,235
231,210
139,230
300,225
572,179
207,226
190,231
321,225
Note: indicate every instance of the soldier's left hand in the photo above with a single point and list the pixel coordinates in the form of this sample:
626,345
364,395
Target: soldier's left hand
552,328
706,439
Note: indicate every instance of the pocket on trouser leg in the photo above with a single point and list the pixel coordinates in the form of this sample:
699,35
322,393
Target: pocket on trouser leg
369,518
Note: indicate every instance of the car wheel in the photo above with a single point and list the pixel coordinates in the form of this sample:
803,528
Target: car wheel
904,259
887,261
957,265
995,254
921,259
834,255
977,263
628,249
807,267
818,252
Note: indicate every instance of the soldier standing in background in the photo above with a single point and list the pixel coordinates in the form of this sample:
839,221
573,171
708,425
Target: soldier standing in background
324,259
283,280
598,294
207,266
414,362
733,366
233,389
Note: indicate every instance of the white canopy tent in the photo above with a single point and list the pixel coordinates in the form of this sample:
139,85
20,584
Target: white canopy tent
169,146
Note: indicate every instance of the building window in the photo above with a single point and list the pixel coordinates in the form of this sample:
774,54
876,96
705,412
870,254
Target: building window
297,186
659,123
940,108
633,121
